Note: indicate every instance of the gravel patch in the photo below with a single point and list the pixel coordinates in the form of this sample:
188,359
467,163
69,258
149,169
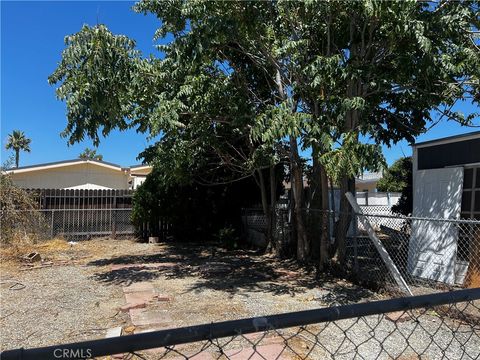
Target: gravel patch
79,296
57,305
74,300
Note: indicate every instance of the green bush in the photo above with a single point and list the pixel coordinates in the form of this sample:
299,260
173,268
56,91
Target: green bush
195,212
398,178
228,237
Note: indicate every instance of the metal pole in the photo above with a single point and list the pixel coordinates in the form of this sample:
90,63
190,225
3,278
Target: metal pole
51,224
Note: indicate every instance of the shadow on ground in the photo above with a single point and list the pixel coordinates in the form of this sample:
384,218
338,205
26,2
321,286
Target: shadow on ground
219,269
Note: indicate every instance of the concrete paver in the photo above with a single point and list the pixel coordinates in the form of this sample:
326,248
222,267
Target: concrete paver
151,318
148,313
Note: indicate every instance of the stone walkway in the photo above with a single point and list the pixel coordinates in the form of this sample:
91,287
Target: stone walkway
149,311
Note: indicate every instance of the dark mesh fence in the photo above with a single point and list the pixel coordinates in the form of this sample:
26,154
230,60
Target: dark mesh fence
435,326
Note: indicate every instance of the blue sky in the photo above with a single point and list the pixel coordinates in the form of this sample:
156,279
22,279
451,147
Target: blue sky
32,36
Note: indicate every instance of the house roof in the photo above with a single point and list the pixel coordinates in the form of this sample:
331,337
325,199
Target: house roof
139,167
449,139
363,179
369,177
56,164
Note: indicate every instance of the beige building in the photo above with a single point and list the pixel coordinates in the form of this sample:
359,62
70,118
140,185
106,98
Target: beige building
138,174
79,174
367,182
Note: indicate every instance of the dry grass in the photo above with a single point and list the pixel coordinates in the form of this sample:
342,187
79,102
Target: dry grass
13,253
59,251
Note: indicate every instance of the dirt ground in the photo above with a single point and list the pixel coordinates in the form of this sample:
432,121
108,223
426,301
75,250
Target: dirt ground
78,289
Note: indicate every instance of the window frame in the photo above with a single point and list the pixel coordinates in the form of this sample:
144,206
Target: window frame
471,213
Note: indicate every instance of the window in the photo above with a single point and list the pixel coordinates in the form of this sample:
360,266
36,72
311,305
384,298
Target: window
471,193
470,209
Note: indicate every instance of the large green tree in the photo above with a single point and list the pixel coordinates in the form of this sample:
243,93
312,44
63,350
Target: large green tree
245,84
17,141
398,178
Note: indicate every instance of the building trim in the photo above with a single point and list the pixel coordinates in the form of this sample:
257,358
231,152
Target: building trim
140,167
449,139
57,164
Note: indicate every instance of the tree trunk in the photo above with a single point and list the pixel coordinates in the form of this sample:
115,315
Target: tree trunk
297,182
303,249
273,187
291,208
344,220
266,212
325,238
17,157
273,245
314,213
332,196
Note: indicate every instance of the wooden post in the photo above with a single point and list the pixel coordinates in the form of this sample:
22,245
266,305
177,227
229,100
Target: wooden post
378,244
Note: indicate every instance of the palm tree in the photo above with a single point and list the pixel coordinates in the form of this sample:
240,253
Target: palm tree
18,141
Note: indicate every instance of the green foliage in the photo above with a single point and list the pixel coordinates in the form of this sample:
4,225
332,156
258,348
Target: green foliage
390,63
17,141
240,78
94,74
90,154
196,212
399,178
352,158
396,177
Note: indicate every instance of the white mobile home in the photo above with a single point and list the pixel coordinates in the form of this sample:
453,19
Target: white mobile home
446,185
79,174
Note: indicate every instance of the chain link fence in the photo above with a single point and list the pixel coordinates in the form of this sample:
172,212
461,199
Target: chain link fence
430,333
435,326
255,229
74,224
429,253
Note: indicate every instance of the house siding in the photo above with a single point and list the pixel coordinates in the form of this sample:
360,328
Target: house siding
80,176
451,154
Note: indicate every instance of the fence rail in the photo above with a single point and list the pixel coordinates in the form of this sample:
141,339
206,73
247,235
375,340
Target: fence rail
82,198
444,325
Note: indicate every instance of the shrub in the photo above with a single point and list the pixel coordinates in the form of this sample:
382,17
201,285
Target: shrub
227,237
398,178
195,212
19,219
